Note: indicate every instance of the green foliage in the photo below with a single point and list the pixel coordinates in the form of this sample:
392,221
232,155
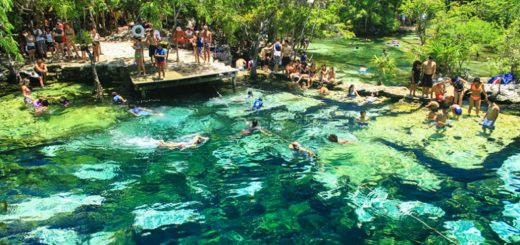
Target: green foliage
385,67
456,36
371,17
509,47
7,42
421,12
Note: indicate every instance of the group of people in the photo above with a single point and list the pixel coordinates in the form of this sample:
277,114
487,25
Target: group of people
308,75
58,42
200,42
443,106
40,106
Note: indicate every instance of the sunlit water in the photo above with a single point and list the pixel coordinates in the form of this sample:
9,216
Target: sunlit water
118,186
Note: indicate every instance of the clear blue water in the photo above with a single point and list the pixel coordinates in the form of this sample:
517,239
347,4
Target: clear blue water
117,186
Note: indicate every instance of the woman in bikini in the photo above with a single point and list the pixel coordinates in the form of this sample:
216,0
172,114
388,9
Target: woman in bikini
477,88
69,41
139,56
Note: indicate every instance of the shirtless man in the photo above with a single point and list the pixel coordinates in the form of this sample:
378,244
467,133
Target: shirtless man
194,142
151,41
429,68
207,39
491,116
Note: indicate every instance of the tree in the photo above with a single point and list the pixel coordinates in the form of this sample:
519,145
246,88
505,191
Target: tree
421,12
83,39
386,68
8,45
509,47
456,35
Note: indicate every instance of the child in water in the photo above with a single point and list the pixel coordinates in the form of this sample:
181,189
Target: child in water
488,122
363,120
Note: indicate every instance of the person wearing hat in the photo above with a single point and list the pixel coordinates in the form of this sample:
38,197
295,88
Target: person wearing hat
160,57
439,89
477,89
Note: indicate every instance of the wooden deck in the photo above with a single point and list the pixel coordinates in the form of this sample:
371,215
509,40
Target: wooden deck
182,75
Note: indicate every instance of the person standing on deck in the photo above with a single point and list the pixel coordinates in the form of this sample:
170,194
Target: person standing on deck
160,56
488,122
207,39
151,41
429,68
139,56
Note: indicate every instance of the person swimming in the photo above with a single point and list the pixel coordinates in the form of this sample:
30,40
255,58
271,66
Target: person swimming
253,127
363,120
140,111
196,141
334,138
258,104
42,108
297,147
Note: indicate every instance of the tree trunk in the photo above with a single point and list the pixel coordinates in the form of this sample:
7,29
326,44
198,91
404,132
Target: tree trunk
254,55
97,83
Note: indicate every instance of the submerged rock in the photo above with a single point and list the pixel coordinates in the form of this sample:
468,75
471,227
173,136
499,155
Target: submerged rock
464,231
158,215
42,208
101,171
45,235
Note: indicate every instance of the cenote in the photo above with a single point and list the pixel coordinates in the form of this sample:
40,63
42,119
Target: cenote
399,182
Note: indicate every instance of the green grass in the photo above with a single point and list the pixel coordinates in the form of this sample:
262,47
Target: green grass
347,56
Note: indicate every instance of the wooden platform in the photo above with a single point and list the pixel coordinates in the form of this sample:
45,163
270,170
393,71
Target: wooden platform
182,75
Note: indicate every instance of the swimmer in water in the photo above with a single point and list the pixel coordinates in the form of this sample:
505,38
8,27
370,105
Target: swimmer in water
432,113
334,138
197,140
254,126
140,111
488,122
257,104
363,120
440,119
297,147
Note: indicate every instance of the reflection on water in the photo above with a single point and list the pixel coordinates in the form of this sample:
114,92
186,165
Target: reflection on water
394,183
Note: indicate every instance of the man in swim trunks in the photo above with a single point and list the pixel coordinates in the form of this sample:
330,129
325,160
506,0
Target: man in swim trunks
207,39
491,116
160,57
151,41
297,147
194,142
429,68
363,120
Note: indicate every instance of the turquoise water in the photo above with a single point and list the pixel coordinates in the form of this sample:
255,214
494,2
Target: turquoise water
116,186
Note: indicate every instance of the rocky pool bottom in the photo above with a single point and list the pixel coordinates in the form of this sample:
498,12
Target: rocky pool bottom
105,181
